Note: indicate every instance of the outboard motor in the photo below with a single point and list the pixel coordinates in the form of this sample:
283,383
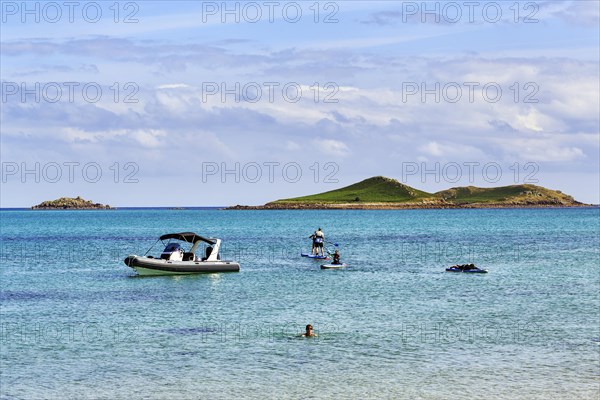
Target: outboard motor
173,252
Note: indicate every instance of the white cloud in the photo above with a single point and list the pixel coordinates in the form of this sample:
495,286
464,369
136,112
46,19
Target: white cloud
292,146
331,147
545,149
150,138
173,86
573,11
447,150
530,120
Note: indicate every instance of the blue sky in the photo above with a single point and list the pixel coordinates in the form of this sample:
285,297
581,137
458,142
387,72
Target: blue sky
400,93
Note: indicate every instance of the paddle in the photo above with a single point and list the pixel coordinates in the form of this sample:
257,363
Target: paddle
329,252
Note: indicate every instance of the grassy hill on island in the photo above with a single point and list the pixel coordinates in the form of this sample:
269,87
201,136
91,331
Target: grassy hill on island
377,189
522,194
382,192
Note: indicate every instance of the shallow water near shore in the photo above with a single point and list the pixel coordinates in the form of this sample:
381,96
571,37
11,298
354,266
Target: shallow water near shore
77,323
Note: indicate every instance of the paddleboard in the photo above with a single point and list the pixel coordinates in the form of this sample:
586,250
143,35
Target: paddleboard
333,266
314,256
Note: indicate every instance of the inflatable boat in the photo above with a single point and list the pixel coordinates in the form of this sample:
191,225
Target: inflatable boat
174,260
470,268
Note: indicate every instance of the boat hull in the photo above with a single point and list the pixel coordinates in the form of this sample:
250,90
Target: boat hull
152,266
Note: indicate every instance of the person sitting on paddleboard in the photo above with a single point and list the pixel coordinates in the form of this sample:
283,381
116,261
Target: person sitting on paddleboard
336,257
319,241
309,331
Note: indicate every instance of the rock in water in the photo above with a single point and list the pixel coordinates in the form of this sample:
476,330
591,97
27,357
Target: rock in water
69,203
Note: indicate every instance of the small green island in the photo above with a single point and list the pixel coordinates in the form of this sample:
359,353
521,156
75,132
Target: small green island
386,193
70,203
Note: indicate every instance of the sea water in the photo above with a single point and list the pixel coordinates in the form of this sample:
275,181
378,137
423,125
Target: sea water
76,322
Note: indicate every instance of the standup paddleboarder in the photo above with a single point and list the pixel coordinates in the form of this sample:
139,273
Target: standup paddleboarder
318,241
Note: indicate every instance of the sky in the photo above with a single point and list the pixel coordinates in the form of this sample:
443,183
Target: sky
191,103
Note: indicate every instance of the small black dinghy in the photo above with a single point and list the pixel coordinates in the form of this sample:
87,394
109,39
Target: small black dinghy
470,268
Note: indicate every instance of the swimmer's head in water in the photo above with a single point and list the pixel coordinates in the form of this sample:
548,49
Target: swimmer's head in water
309,331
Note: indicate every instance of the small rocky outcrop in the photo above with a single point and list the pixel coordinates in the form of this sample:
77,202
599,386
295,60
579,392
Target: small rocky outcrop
69,203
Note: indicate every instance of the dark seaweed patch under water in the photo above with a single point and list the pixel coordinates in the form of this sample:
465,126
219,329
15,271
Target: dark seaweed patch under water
23,295
191,331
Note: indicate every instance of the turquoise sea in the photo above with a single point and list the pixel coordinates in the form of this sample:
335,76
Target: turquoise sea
77,324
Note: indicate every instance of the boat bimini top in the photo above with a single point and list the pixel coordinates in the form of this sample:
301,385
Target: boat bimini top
189,237
195,240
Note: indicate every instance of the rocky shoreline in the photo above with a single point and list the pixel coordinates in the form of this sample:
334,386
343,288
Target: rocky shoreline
401,206
69,203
